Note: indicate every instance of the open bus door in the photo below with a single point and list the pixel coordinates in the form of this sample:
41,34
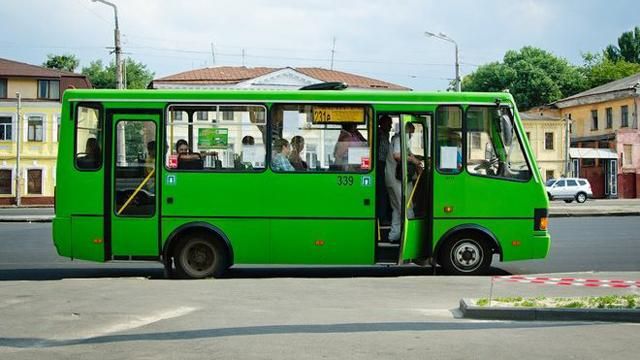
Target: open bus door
415,241
132,219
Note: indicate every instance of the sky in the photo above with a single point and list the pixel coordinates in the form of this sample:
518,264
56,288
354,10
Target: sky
375,38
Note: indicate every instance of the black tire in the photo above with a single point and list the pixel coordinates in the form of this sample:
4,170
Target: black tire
568,201
198,256
466,254
581,197
550,197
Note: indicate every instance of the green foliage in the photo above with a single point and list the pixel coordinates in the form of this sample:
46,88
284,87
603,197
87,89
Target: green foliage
66,62
482,302
599,69
628,48
534,77
104,77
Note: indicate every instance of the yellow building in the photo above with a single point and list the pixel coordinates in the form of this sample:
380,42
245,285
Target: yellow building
547,133
604,120
33,123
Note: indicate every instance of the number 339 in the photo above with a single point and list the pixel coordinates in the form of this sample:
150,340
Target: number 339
345,180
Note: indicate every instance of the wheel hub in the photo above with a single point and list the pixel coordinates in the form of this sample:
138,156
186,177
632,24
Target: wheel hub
467,255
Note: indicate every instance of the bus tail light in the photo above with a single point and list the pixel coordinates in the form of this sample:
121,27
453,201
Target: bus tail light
540,219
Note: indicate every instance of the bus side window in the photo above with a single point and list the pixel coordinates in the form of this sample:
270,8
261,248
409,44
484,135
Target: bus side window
449,139
88,153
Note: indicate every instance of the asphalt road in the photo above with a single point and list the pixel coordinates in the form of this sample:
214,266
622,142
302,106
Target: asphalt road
578,244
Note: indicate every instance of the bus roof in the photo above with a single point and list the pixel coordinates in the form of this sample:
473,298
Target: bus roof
243,95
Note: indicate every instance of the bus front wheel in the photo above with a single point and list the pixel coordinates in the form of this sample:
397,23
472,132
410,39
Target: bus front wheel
466,254
199,257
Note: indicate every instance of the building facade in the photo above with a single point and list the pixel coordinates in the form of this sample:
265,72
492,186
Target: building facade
605,139
547,134
34,120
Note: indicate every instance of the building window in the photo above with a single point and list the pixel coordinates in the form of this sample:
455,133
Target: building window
49,89
549,174
476,140
57,127
548,141
5,181
624,116
594,120
34,181
609,112
588,162
202,116
6,128
628,155
35,128
3,88
227,115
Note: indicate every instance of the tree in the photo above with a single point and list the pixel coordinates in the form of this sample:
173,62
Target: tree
534,76
599,69
67,62
104,77
628,48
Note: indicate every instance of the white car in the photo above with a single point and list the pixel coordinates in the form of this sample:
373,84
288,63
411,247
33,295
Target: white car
569,189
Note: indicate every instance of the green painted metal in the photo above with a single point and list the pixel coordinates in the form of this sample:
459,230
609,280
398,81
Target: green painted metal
291,218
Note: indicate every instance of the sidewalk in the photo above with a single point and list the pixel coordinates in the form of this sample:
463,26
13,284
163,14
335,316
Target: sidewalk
557,208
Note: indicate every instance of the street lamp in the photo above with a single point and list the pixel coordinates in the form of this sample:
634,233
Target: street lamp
444,37
117,50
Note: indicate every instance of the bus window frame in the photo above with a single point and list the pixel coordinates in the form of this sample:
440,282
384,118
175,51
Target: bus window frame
183,122
517,133
101,118
436,132
369,112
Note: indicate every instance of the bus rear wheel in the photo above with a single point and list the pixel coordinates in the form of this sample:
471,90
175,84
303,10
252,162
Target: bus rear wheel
198,257
466,254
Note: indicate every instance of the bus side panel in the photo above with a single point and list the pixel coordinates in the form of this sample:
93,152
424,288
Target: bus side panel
322,241
87,237
515,236
249,238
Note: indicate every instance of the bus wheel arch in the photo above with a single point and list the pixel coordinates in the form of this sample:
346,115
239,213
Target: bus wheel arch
204,239
467,250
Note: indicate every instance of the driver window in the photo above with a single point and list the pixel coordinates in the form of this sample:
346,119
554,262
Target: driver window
493,149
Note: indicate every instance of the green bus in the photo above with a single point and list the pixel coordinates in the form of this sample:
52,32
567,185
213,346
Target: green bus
204,180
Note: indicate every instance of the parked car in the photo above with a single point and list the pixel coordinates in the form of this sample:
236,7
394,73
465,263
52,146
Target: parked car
569,189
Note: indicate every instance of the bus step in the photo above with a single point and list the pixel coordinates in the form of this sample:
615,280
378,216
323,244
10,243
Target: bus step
388,244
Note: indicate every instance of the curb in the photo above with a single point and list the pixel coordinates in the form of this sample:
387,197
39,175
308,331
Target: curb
595,214
21,219
544,314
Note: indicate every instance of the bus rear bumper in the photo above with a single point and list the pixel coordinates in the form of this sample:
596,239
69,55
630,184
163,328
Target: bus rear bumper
541,245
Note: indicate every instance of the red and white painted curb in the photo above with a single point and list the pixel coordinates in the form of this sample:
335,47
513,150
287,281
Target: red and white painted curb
569,281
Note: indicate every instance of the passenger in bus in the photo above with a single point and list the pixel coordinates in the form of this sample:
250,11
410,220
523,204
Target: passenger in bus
455,140
349,137
182,147
280,161
90,159
382,195
297,145
394,185
186,158
239,160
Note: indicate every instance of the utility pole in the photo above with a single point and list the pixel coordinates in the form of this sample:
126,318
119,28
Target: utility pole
567,167
18,125
213,55
242,57
446,38
333,51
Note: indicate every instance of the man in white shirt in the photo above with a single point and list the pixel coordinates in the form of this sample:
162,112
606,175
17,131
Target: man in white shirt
394,186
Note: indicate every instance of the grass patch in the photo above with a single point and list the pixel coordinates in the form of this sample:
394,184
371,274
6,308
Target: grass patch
586,302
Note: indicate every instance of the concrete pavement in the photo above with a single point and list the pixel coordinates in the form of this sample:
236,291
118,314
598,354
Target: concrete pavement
557,208
291,318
